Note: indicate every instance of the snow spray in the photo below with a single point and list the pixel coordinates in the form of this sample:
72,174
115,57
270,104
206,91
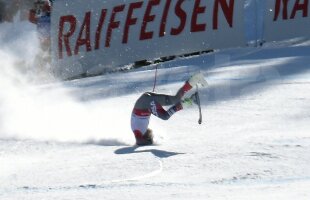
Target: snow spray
33,105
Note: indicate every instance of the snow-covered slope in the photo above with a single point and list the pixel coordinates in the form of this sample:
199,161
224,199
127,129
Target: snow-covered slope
72,140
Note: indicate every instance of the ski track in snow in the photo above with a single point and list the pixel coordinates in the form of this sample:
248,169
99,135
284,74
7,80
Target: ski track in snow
104,184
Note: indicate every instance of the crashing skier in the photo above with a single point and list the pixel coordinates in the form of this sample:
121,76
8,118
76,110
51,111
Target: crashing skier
40,15
152,103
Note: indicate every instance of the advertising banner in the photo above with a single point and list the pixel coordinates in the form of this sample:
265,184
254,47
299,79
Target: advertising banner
95,35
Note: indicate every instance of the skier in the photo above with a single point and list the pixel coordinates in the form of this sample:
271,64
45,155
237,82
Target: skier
41,16
152,103
13,8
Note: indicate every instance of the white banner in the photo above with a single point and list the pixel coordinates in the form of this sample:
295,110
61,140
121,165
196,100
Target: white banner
91,36
287,19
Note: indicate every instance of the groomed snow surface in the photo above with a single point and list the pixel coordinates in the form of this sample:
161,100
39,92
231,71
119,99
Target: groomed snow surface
72,140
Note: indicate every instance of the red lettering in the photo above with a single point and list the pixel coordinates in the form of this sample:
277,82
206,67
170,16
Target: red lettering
197,10
64,37
144,35
113,24
278,8
228,11
99,28
297,7
130,20
300,7
182,16
84,41
223,8
162,31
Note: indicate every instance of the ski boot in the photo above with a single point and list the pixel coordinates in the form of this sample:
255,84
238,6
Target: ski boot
197,79
190,101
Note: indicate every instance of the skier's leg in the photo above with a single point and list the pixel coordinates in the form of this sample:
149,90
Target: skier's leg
163,99
167,100
145,100
160,112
